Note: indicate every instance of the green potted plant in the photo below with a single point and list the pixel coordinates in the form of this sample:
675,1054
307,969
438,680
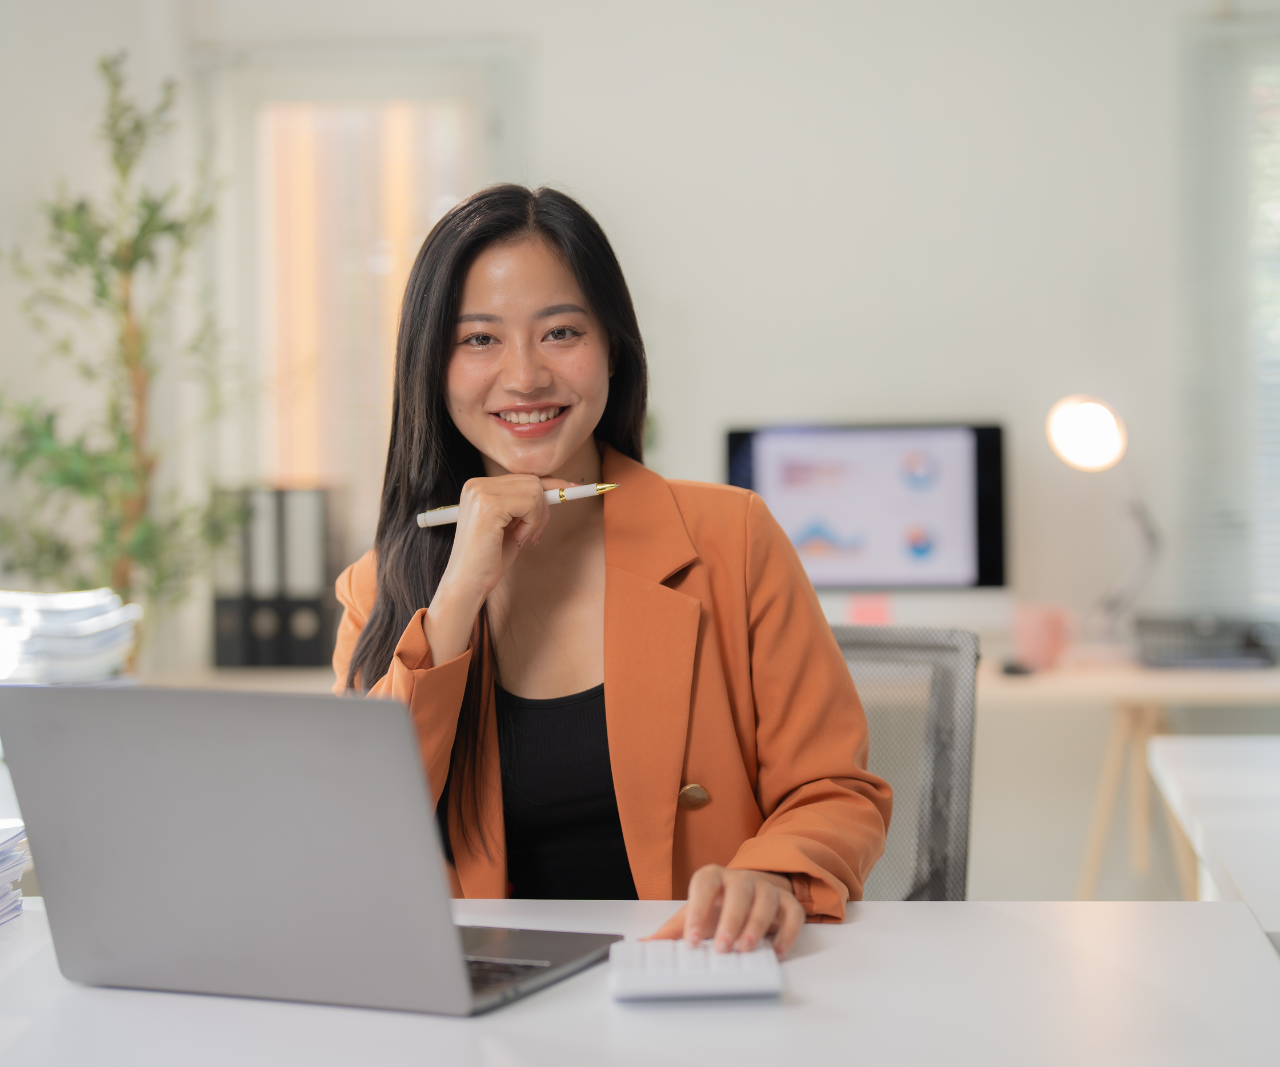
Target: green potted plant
102,293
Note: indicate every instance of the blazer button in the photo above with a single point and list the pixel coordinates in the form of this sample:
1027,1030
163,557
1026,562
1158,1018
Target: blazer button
692,796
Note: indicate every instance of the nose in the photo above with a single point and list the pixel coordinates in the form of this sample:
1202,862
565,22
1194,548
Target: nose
524,370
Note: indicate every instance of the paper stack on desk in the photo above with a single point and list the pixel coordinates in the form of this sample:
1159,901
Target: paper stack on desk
13,858
52,638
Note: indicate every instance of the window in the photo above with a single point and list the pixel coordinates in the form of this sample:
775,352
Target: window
1232,484
347,194
1264,354
337,166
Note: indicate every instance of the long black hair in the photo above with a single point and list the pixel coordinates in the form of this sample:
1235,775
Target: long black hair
428,459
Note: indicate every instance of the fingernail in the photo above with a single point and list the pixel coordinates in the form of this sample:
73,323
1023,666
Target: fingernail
723,945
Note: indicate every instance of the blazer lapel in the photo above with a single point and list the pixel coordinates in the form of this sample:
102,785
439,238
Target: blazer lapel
650,639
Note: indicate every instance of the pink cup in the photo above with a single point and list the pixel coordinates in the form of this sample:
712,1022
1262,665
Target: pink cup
1040,634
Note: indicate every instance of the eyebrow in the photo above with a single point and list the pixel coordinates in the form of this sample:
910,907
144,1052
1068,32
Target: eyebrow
554,309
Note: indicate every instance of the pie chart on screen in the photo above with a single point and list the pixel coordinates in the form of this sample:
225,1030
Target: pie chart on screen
919,542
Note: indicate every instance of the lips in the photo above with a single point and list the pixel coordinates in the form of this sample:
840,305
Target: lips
530,422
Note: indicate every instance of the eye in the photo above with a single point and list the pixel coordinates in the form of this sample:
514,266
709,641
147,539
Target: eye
563,333
479,340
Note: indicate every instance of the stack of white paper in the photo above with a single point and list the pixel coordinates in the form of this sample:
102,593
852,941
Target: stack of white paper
50,638
13,858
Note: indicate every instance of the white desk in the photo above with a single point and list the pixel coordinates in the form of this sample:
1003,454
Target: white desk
951,983
1139,698
1225,793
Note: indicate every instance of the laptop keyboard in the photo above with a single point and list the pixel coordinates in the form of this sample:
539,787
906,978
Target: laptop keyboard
485,974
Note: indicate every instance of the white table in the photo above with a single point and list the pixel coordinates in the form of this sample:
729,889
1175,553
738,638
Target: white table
1139,698
900,983
1225,793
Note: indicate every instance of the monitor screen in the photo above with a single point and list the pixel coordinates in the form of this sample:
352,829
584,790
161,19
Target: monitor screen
882,506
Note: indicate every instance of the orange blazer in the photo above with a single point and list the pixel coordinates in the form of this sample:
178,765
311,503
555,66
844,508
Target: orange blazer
719,670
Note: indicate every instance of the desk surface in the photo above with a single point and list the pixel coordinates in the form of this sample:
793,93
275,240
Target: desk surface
1128,682
1225,793
951,983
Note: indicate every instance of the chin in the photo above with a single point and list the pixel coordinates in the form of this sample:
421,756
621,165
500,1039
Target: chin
541,462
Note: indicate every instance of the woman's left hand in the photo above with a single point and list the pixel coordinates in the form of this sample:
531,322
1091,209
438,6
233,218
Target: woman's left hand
738,908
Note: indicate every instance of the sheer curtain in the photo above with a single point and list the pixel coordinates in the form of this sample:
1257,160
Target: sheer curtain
347,194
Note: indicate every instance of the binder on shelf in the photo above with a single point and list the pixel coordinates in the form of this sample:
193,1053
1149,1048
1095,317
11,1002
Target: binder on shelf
271,606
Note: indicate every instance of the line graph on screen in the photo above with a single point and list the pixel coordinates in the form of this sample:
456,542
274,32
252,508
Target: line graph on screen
819,540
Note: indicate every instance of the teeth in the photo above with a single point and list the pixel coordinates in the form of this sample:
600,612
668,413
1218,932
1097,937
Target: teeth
522,418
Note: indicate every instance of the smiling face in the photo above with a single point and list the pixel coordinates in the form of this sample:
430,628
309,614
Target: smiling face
529,374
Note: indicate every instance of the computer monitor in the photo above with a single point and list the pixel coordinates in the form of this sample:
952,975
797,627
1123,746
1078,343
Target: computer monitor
882,507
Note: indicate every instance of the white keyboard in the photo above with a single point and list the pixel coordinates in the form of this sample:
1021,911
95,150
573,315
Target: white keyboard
656,970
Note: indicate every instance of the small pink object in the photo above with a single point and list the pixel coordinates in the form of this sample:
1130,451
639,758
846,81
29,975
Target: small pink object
869,609
1040,635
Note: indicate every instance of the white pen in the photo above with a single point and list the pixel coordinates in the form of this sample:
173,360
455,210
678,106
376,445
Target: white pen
443,516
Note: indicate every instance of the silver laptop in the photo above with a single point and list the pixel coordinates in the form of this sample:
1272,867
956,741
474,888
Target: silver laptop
256,845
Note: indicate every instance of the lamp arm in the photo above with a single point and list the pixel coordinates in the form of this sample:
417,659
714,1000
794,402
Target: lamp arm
1121,599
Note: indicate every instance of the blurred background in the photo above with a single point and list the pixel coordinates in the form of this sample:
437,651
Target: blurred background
854,213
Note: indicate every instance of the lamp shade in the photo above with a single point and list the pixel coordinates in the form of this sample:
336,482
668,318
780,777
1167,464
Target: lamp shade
1085,434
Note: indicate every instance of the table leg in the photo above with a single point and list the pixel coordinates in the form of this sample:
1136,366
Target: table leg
1184,855
1148,720
1104,804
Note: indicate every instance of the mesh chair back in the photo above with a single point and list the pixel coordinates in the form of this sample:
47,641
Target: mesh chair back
917,687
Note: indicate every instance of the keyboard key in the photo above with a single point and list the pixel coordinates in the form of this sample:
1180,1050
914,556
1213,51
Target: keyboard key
725,961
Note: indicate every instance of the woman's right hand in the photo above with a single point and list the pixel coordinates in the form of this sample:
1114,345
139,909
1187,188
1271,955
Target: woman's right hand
496,518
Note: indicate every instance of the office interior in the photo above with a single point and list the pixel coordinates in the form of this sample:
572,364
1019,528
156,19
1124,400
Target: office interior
829,214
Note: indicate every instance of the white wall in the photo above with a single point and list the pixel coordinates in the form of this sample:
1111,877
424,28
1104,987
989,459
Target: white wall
862,211
827,211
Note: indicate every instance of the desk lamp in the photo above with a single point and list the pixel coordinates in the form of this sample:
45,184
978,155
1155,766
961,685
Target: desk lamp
1086,434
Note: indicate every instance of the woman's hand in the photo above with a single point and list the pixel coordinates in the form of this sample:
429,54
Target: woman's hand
741,907
496,518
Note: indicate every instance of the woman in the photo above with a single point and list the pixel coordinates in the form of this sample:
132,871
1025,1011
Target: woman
617,697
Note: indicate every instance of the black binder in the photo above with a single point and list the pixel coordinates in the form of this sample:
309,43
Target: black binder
272,603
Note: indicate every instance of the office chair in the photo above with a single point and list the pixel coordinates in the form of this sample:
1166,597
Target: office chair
917,687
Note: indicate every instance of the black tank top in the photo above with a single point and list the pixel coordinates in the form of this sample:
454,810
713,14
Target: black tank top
564,838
